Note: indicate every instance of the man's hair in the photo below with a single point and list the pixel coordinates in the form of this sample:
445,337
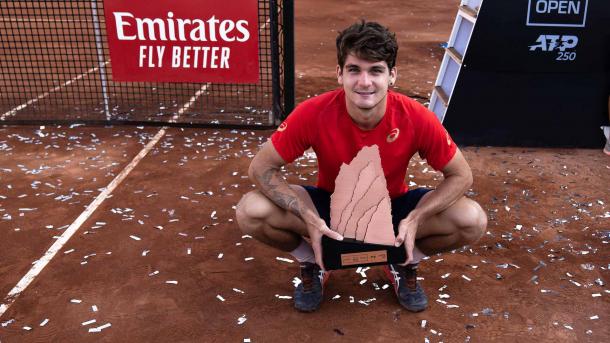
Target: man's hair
370,41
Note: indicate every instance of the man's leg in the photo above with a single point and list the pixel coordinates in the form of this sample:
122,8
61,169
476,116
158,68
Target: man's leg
462,223
266,222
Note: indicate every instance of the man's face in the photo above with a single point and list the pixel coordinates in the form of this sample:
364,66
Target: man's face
365,82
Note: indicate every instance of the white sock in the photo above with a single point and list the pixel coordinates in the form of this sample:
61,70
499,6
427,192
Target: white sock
304,252
417,255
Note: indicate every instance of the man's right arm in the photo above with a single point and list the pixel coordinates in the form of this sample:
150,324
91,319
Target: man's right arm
264,171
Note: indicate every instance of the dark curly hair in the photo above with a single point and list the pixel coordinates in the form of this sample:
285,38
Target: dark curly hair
367,40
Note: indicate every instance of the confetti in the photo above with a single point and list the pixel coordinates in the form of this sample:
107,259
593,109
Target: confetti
100,328
466,278
284,259
88,322
44,322
241,319
220,255
76,301
135,238
219,297
174,282
94,308
237,290
248,259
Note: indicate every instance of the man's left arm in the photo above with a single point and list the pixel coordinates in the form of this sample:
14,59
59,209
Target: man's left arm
457,179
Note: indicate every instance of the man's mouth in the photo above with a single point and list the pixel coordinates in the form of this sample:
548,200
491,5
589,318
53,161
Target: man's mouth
364,93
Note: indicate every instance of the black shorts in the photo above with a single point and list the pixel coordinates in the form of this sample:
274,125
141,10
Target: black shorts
401,206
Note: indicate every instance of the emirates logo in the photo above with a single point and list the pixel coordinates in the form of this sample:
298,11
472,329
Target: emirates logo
393,135
282,127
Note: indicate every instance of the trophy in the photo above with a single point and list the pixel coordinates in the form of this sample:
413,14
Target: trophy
360,210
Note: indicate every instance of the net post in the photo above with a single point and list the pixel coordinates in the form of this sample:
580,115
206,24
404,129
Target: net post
275,63
288,27
100,57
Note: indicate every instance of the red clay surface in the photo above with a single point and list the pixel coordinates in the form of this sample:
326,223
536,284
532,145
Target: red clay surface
540,273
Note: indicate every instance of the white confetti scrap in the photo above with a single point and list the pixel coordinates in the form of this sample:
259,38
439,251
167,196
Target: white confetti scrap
248,258
219,297
594,317
466,278
88,322
284,259
336,297
76,301
237,290
595,295
27,328
44,322
145,252
68,251
363,281
94,308
423,323
188,251
100,328
220,255
154,273
444,276
283,296
135,238
241,319
174,282
213,214
385,286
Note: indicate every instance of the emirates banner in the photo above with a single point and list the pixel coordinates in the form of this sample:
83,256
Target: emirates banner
183,40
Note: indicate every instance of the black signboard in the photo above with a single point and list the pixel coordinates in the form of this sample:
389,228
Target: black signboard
535,73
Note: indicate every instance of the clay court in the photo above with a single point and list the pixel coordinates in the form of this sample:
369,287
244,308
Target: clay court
162,259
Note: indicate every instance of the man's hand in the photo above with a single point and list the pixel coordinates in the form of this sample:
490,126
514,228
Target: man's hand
316,229
407,230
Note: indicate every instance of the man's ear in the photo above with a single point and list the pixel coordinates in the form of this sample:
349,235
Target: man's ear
339,74
393,76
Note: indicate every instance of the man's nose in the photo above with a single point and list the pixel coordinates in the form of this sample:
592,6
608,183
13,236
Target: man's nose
364,79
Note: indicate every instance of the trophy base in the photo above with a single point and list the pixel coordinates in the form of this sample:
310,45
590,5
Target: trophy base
350,254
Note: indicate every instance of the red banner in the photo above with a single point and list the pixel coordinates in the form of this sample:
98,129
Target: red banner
183,40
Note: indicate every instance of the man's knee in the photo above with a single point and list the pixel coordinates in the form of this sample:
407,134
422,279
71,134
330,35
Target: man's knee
474,221
252,210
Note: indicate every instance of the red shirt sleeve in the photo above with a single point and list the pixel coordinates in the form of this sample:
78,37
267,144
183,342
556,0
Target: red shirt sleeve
294,135
434,142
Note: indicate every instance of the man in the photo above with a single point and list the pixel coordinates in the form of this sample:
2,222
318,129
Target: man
337,125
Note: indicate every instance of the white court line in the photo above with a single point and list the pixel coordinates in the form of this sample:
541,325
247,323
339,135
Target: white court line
45,94
190,102
71,230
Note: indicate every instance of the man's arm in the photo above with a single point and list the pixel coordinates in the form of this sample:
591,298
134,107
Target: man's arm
264,171
457,179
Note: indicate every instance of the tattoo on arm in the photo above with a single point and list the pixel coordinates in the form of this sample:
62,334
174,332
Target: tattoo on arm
278,190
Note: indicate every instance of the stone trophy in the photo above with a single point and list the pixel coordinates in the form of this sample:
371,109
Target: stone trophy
360,210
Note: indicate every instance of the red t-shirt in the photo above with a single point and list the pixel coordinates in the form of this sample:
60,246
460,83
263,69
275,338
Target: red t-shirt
324,124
